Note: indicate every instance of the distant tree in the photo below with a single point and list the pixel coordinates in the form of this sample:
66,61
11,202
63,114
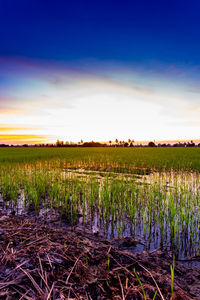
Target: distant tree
191,144
59,143
151,144
93,144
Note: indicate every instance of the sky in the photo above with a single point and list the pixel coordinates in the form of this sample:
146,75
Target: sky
99,70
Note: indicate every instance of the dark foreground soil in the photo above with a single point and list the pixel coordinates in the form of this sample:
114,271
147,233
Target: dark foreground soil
38,261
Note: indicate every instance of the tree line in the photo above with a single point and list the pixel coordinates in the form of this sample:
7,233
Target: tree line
116,143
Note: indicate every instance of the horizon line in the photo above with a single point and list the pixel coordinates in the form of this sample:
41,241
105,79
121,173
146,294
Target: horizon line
134,142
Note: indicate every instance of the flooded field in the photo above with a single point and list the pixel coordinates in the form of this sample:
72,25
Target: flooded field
157,209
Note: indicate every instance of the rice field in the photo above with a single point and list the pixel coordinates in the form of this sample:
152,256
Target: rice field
151,195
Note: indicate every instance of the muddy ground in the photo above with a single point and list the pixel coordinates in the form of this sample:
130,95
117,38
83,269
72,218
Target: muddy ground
39,261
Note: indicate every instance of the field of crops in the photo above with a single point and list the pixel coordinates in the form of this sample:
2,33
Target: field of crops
149,194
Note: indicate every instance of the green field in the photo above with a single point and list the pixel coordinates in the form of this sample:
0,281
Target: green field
150,194
154,158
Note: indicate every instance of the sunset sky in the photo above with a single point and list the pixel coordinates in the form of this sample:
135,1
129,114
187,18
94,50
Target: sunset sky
99,70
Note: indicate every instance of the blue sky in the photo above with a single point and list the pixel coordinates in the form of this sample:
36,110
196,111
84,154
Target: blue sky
125,31
65,65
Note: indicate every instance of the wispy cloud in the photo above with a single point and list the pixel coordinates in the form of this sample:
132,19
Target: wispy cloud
24,138
7,128
11,110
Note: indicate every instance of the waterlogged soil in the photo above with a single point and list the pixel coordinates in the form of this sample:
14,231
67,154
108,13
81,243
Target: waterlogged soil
110,170
167,181
94,224
45,261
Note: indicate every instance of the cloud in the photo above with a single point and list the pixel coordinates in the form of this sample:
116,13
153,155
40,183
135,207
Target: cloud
186,123
24,138
12,110
195,90
10,127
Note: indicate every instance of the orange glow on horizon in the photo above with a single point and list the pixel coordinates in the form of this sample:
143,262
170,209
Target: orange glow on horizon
3,129
23,139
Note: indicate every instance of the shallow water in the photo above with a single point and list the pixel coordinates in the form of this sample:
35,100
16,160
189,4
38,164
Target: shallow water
151,230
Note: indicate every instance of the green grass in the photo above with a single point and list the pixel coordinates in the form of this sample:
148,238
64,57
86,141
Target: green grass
172,268
152,158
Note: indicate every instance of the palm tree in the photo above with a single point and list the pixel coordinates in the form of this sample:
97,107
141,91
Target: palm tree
58,143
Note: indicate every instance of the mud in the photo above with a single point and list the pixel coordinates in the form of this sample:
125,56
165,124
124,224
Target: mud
42,261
